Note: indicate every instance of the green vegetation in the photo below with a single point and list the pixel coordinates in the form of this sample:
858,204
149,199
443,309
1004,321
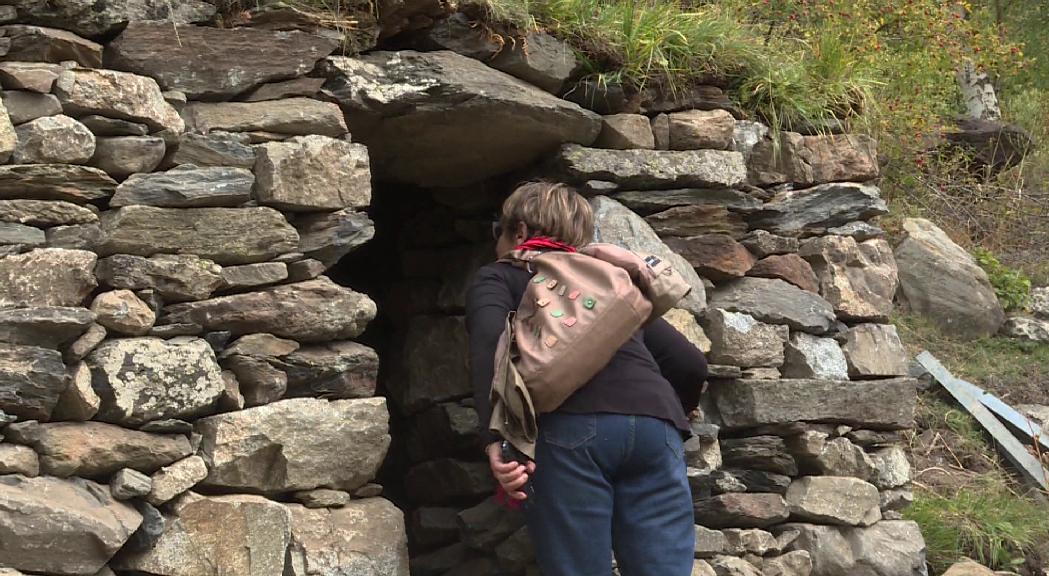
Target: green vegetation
1012,287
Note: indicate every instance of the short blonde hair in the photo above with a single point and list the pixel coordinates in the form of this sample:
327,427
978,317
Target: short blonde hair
550,209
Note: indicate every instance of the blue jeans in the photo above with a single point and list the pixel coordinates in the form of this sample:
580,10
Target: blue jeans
610,482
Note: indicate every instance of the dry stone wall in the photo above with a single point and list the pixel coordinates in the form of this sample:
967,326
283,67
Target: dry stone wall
180,386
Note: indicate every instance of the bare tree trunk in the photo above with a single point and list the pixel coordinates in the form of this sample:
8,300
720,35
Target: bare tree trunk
978,93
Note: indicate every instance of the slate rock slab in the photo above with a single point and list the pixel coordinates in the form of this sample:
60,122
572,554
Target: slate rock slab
79,184
45,214
290,117
31,381
43,44
106,16
741,511
215,149
313,173
53,140
365,536
327,237
186,187
117,95
653,169
47,327
47,277
775,302
818,208
25,106
175,277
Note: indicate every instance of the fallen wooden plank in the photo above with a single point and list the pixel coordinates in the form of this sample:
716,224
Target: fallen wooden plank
1020,423
1029,466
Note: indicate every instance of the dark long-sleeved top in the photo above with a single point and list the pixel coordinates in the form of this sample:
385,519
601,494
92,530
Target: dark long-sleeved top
657,373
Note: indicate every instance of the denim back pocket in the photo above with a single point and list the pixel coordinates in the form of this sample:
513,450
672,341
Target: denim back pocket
674,440
568,430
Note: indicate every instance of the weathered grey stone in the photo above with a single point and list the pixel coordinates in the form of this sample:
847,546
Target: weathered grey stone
709,542
814,209
701,129
893,548
892,468
47,327
732,566
1039,303
697,220
683,321
122,312
968,568
446,429
625,132
1026,328
312,173
837,457
752,481
789,268
303,270
223,235
752,541
745,136
764,453
239,534
79,184
332,370
364,537
860,231
187,187
885,404
430,527
435,365
128,484
830,553
96,450
259,382
20,237
16,459
940,280
31,381
740,340
485,525
440,561
796,563
615,224
446,480
646,201
54,526
176,278
143,379
78,401
23,107
112,127
33,76
858,279
661,131
253,275
215,149
290,117
9,137
441,119
304,86
776,302
101,18
313,311
761,373
807,160
834,500
43,213
209,63
117,95
874,350
540,60
123,156
346,444
83,346
329,236
808,356
322,498
171,481
702,568
643,169
261,345
741,511
40,44
53,140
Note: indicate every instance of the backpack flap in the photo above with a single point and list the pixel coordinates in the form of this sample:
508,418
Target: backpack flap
513,415
655,276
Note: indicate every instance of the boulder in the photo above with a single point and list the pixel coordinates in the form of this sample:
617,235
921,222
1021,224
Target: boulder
78,402
31,380
435,363
128,484
710,543
80,184
312,173
776,302
941,281
615,224
46,327
328,236
861,231
874,351
892,468
174,480
312,311
96,450
540,60
111,127
789,268
1039,303
812,210
652,169
41,44
239,535
797,563
714,256
32,76
209,63
23,107
829,551
78,237
53,140
187,187
288,117
877,404
322,498
835,500
807,160
763,453
447,481
741,511
123,156
889,548
43,213
364,537
442,119
625,132
223,235
83,346
649,201
215,149
753,541
685,323
857,278
1026,328
143,379
732,566
264,450
259,382
697,220
116,95
16,459
62,527
47,277
176,278
121,312
968,568
808,356
739,340
701,129
332,370
102,18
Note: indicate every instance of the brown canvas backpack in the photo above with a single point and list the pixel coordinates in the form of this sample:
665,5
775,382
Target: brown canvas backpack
579,308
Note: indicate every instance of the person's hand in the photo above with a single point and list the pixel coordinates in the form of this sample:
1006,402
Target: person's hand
512,476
